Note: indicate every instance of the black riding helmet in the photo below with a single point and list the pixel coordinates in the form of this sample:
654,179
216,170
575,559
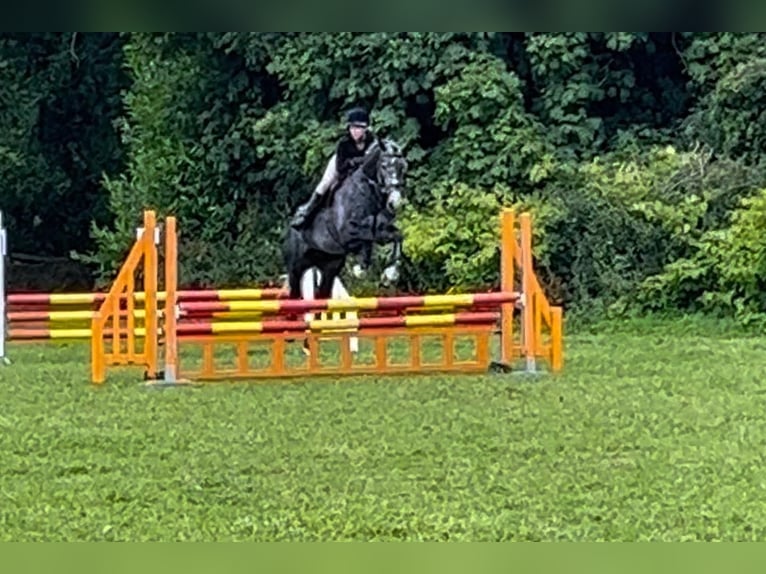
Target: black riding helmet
358,117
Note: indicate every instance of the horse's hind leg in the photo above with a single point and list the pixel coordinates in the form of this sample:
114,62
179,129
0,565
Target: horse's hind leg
330,272
294,277
294,258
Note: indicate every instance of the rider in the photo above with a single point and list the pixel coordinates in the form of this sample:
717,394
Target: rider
348,155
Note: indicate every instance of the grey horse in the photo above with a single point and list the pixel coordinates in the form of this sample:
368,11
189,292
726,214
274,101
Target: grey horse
355,216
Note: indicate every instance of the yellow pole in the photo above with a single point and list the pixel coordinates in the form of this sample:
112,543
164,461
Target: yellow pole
507,245
529,343
97,350
171,290
557,351
150,288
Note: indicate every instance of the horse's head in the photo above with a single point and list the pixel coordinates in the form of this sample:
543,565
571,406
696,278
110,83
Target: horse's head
389,172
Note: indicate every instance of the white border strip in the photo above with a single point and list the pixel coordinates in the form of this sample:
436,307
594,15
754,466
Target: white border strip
3,323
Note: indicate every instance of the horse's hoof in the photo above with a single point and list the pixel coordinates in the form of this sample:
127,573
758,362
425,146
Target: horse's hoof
390,275
358,271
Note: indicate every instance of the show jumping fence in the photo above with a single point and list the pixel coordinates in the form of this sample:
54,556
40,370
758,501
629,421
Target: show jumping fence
257,334
39,317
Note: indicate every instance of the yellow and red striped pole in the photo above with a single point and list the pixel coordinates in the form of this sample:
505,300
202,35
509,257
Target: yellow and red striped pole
47,300
38,334
59,316
364,323
295,306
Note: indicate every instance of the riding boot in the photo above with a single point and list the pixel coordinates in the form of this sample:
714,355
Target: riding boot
306,211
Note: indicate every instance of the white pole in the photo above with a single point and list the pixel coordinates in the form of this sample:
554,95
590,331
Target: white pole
308,287
309,283
339,292
3,324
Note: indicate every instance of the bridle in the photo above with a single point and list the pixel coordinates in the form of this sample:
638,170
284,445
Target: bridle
389,164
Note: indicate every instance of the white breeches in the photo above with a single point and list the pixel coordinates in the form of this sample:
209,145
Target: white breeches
329,177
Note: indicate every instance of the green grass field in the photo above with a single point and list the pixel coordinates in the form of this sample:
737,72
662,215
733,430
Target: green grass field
649,434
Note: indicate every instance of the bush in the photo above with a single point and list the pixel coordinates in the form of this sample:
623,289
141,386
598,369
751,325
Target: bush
738,259
453,243
633,232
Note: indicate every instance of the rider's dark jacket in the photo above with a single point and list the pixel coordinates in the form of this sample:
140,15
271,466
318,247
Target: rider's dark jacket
346,153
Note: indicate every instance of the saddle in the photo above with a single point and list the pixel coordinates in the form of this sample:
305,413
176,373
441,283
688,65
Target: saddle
354,163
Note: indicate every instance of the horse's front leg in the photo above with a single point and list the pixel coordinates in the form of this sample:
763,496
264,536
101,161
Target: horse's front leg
390,274
360,236
363,260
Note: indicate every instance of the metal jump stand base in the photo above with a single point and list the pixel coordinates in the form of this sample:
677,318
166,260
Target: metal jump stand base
501,368
160,382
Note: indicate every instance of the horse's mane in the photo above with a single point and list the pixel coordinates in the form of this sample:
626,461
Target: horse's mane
380,146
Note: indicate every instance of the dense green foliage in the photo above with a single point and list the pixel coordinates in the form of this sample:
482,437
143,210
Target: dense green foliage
640,154
59,97
650,434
